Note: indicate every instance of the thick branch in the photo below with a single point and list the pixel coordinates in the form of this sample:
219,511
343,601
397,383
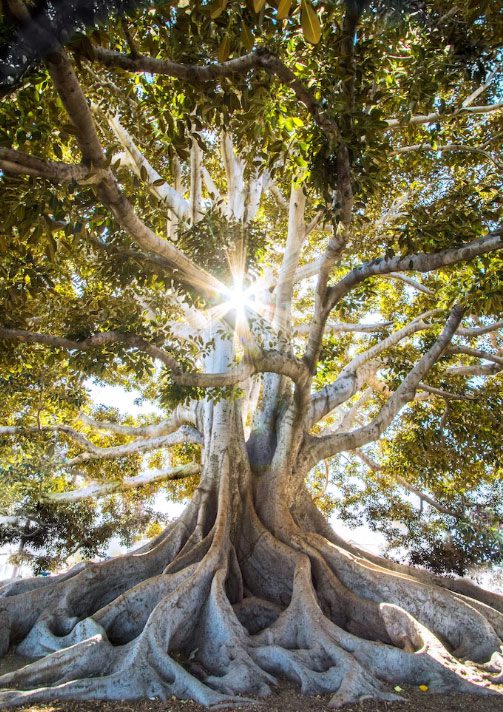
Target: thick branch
108,190
329,445
262,362
308,270
185,434
12,161
180,416
105,338
266,361
476,353
346,384
312,268
435,117
106,488
349,382
419,262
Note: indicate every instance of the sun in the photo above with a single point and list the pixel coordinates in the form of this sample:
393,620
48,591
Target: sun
241,305
237,298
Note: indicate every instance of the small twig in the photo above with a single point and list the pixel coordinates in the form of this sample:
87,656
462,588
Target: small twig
129,39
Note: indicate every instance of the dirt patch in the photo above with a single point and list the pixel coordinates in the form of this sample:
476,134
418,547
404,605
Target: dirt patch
287,699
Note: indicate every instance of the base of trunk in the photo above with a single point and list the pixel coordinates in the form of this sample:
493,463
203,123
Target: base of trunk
219,608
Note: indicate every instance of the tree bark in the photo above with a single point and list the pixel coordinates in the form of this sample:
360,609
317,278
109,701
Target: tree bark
248,586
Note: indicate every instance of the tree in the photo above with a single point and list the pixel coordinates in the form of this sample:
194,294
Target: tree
433,489
226,235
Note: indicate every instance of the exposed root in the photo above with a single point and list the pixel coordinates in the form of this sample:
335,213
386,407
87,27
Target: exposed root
309,518
464,628
220,607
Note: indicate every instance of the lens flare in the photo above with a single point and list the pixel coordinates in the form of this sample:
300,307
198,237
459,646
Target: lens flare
238,299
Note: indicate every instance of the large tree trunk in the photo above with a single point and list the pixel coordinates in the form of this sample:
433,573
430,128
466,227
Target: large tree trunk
248,586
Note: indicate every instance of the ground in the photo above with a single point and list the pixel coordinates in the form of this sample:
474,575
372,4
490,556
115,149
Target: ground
285,698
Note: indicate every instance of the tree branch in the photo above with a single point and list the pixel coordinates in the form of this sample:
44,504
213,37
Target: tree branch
338,326
435,117
350,415
450,147
479,330
476,353
106,488
295,238
12,161
195,182
105,338
137,161
346,385
403,483
278,195
264,361
481,89
491,370
260,58
410,282
418,262
275,66
75,103
193,73
329,445
185,434
441,393
261,362
79,438
180,416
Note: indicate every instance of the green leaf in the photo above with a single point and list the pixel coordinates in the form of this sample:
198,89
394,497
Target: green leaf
143,173
246,38
284,9
158,182
216,8
311,28
258,5
224,49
